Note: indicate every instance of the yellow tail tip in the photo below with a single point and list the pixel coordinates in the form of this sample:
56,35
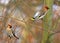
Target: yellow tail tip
32,19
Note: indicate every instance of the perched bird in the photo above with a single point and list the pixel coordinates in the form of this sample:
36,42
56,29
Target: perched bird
40,14
10,32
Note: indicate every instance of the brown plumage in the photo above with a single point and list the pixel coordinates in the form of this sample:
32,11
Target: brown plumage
41,13
10,32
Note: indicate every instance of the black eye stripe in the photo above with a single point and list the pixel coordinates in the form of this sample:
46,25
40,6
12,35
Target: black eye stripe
10,26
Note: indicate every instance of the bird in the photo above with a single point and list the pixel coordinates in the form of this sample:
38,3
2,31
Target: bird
40,14
10,32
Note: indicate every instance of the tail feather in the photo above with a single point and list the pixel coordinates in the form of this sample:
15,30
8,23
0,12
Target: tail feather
15,35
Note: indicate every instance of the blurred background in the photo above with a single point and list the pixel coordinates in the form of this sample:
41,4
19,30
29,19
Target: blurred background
18,14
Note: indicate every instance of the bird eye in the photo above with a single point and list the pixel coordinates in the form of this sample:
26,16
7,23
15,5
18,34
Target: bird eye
10,26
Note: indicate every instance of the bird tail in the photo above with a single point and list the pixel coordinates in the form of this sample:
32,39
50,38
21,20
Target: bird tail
15,35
